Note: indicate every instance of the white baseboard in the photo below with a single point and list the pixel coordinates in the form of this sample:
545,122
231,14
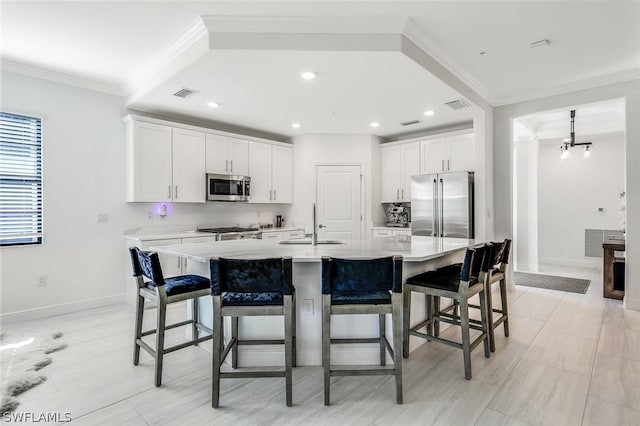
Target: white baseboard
63,308
632,304
579,263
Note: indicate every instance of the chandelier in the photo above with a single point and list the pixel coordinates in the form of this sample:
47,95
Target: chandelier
571,142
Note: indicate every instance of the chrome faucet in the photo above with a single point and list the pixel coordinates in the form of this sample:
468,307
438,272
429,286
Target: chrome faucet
314,236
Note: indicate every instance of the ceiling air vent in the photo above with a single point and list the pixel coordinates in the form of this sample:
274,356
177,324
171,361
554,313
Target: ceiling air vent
458,104
409,123
184,92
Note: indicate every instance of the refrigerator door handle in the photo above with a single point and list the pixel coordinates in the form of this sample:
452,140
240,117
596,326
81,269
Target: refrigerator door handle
441,218
434,221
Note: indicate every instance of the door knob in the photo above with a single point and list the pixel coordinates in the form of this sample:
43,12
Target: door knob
320,226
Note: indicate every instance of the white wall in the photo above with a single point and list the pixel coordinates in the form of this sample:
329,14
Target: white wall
84,174
310,150
526,202
503,136
570,193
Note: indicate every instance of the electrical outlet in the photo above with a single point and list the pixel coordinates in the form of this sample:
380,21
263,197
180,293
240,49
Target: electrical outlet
41,281
307,306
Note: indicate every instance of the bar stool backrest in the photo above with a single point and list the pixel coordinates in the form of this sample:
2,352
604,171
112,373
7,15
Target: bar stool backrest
501,253
251,275
146,264
361,275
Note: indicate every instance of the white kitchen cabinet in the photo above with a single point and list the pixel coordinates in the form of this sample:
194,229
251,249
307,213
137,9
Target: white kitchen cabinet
399,163
388,232
272,235
188,166
381,233
293,234
271,171
448,154
227,155
172,265
164,163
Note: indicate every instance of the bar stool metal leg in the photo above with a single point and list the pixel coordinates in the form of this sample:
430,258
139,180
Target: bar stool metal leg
234,340
162,318
217,352
406,315
397,342
489,306
326,345
138,330
382,330
194,322
505,306
288,347
466,342
487,326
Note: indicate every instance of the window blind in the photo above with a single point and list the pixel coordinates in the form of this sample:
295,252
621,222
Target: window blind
20,179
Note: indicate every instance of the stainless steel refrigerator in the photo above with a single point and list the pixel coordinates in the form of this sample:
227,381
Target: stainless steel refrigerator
442,205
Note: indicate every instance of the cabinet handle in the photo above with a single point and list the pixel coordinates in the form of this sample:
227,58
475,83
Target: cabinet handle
397,194
270,192
231,165
402,193
179,263
274,195
443,165
176,192
226,165
449,165
169,192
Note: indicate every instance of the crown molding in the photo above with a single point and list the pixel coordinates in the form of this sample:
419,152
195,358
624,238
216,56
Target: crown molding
416,34
304,25
192,44
584,84
36,71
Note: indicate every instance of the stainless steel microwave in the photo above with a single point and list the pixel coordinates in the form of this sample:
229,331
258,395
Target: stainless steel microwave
228,187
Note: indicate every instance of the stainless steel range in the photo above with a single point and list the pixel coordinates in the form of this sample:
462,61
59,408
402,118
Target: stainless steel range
234,233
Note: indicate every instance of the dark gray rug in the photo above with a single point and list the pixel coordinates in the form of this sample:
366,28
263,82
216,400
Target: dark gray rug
552,282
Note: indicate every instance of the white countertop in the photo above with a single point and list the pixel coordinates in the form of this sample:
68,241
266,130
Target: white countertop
152,234
414,249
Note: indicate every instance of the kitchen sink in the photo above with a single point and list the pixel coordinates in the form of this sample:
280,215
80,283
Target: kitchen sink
308,242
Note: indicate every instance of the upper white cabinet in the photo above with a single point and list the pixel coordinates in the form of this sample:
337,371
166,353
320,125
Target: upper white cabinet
271,171
227,155
164,163
399,163
448,154
188,166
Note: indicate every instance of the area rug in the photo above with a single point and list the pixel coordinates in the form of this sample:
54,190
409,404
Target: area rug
22,355
552,282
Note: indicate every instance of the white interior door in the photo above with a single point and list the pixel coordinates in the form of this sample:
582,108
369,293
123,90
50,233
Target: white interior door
339,202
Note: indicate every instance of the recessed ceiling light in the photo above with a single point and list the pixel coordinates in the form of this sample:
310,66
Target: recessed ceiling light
308,75
374,124
295,125
213,104
429,113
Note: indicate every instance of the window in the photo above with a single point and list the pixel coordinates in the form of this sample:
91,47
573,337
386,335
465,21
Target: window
20,180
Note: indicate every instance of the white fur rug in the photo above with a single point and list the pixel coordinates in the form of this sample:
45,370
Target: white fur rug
22,355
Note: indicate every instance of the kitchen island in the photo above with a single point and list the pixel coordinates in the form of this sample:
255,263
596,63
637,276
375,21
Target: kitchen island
419,254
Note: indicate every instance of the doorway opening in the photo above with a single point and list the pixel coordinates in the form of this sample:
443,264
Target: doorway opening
567,200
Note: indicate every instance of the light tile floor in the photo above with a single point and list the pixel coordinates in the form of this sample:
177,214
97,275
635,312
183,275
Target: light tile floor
571,359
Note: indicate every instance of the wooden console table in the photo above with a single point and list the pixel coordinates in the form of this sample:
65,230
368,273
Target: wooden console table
609,247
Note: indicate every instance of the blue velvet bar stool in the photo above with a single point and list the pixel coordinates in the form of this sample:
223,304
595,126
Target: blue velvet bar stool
460,287
251,287
372,286
162,292
497,274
